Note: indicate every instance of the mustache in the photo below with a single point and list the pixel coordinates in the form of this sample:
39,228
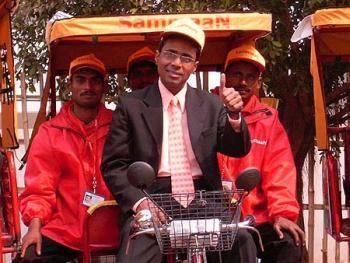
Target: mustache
88,93
240,88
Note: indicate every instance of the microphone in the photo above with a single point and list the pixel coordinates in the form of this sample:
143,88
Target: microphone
141,175
248,179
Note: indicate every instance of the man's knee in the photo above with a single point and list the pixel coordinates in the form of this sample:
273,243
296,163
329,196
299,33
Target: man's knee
244,248
289,247
29,256
282,250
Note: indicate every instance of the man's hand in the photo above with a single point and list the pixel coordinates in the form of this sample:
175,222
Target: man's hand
33,236
230,97
282,223
157,214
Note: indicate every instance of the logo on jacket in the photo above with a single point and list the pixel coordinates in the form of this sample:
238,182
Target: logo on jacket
257,141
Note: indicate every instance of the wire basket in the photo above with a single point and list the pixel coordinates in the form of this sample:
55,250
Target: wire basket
203,224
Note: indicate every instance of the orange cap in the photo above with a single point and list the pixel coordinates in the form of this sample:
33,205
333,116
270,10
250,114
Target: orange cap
87,61
188,28
142,54
246,52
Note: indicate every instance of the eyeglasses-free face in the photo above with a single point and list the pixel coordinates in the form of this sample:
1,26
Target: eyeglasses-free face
243,77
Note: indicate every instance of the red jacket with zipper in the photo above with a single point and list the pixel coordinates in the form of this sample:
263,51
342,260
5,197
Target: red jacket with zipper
271,154
65,155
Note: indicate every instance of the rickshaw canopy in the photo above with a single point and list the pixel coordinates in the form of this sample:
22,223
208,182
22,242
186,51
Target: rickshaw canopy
330,38
114,39
7,91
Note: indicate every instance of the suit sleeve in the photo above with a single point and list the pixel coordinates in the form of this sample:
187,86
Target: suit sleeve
279,175
41,180
116,159
231,143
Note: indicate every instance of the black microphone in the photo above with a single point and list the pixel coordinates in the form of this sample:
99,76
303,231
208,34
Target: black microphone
141,175
248,179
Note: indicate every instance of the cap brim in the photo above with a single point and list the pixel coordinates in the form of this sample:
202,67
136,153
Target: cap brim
260,67
99,70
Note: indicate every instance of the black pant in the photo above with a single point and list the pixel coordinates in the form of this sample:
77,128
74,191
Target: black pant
51,252
276,250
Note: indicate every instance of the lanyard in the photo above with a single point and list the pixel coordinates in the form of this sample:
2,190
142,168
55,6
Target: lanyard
94,150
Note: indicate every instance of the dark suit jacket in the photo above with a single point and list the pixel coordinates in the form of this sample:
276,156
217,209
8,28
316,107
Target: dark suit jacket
136,135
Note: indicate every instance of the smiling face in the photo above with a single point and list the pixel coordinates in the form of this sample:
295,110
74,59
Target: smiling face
87,87
244,77
176,61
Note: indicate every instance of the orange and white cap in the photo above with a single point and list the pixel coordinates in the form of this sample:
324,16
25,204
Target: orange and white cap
87,61
142,54
248,53
188,28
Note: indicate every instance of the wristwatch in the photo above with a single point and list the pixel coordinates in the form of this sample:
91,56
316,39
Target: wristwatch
235,115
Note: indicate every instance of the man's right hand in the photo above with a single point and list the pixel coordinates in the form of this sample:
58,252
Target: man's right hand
157,214
282,223
33,236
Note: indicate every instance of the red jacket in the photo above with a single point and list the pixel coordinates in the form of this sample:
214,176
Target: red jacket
271,154
60,169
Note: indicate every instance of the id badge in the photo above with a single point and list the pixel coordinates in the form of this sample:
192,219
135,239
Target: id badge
227,185
91,199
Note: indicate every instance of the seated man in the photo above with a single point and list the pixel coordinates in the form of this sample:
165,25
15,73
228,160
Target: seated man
273,202
142,69
63,169
176,129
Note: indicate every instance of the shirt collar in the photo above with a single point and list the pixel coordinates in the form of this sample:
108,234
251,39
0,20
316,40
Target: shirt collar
167,96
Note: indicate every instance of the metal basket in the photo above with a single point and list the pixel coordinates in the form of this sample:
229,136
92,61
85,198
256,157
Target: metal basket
201,225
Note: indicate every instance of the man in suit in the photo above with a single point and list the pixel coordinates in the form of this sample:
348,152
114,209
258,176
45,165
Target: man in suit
141,130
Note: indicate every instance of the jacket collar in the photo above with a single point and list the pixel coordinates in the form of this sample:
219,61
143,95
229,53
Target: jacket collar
252,106
153,114
254,110
67,120
195,117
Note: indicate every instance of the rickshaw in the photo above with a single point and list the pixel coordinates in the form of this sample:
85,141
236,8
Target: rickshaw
330,43
9,215
113,40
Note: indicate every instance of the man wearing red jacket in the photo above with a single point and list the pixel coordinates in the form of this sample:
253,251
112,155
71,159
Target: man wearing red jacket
273,201
63,169
142,69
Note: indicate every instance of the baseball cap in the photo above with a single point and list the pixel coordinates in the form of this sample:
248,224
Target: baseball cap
188,28
87,61
142,54
246,52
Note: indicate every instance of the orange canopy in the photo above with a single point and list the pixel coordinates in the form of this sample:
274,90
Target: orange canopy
113,39
8,112
330,37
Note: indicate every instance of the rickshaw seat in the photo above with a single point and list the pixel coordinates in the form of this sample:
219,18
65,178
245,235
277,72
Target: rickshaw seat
271,102
101,230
